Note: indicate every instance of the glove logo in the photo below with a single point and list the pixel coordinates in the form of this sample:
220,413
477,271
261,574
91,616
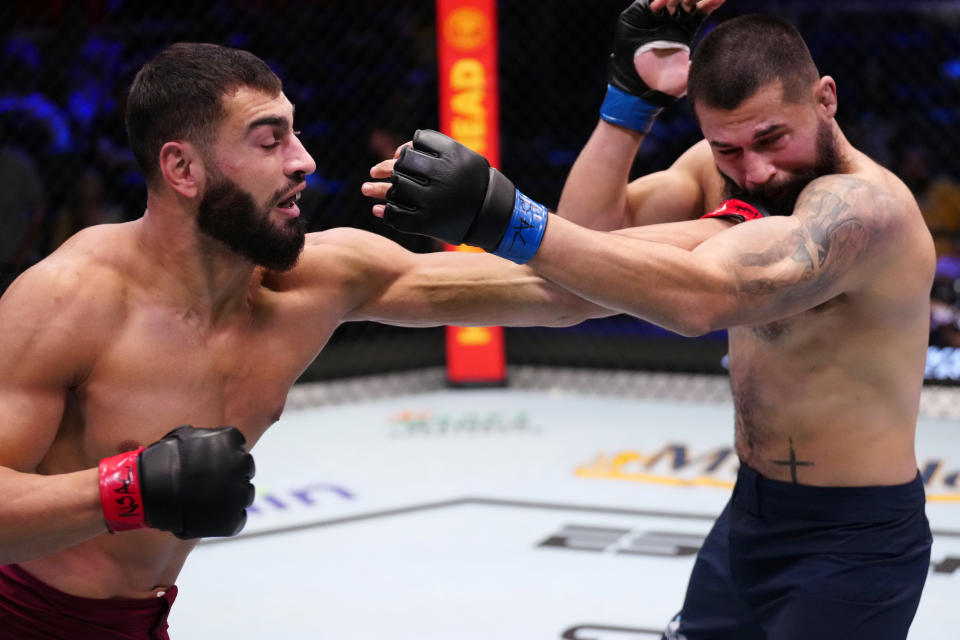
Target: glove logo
528,221
520,225
127,501
120,495
528,215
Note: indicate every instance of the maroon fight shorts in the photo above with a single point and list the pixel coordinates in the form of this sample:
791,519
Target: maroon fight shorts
31,610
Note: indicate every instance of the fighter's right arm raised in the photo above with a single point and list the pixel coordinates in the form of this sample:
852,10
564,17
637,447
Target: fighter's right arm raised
598,195
647,71
45,349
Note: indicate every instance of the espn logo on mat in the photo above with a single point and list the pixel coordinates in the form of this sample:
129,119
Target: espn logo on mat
624,541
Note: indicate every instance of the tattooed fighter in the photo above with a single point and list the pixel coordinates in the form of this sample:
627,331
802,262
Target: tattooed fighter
826,304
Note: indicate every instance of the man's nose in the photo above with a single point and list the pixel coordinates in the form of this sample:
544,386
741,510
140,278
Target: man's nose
299,161
757,170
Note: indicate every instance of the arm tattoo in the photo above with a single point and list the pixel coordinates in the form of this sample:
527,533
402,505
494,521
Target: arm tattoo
831,237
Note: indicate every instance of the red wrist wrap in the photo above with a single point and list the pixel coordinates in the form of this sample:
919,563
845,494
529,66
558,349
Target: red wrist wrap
735,210
120,492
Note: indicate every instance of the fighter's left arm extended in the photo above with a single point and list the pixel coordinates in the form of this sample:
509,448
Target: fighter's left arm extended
369,277
841,230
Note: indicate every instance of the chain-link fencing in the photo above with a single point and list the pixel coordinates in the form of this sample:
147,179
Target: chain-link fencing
363,77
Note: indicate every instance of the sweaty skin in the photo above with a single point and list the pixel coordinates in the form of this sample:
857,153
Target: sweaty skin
827,309
130,330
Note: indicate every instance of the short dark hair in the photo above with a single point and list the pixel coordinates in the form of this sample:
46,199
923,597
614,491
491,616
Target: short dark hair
178,95
746,53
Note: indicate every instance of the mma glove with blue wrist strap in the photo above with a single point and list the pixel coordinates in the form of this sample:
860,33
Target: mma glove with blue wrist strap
629,101
444,190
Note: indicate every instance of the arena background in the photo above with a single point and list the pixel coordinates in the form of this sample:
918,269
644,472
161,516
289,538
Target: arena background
569,504
363,75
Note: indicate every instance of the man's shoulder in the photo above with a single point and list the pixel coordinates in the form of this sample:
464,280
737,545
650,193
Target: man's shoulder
868,197
349,248
348,238
338,257
81,280
872,215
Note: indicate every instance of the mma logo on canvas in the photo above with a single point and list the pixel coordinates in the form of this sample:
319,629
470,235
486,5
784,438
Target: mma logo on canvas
673,464
941,479
300,497
422,424
682,465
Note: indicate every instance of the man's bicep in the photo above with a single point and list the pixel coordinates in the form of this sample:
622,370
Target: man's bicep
784,265
29,420
672,195
33,389
841,224
466,289
687,234
45,345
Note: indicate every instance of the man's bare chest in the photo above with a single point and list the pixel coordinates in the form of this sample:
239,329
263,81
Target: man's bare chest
160,374
824,324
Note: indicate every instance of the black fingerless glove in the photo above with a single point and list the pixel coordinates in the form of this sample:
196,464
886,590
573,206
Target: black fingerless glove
192,482
629,101
445,190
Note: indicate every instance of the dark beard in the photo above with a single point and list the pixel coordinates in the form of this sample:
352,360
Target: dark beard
228,213
780,199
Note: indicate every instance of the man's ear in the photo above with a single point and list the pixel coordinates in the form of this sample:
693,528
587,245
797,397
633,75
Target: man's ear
825,94
182,168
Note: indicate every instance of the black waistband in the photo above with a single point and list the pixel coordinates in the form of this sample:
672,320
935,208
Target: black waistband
761,495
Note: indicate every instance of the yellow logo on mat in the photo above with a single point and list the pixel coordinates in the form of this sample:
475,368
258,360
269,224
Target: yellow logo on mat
674,466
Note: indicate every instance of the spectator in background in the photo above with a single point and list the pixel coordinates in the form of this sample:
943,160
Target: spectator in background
938,195
877,121
85,207
21,209
945,303
383,137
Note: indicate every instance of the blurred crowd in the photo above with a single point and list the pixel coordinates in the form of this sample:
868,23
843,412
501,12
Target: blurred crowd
363,77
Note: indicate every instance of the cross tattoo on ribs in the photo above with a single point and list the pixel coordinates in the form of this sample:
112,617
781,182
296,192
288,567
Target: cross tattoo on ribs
793,463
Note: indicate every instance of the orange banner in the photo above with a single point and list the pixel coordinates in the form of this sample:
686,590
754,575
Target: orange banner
470,113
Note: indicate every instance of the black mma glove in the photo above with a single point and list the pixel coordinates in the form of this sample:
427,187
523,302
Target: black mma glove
629,101
444,190
192,482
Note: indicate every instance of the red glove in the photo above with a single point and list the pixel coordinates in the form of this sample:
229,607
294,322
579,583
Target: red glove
192,482
120,491
737,210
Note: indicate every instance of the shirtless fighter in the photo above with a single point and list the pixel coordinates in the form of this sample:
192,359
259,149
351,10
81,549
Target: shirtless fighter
199,313
826,304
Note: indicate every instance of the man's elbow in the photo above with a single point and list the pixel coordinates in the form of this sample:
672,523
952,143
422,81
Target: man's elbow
687,327
570,316
697,321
